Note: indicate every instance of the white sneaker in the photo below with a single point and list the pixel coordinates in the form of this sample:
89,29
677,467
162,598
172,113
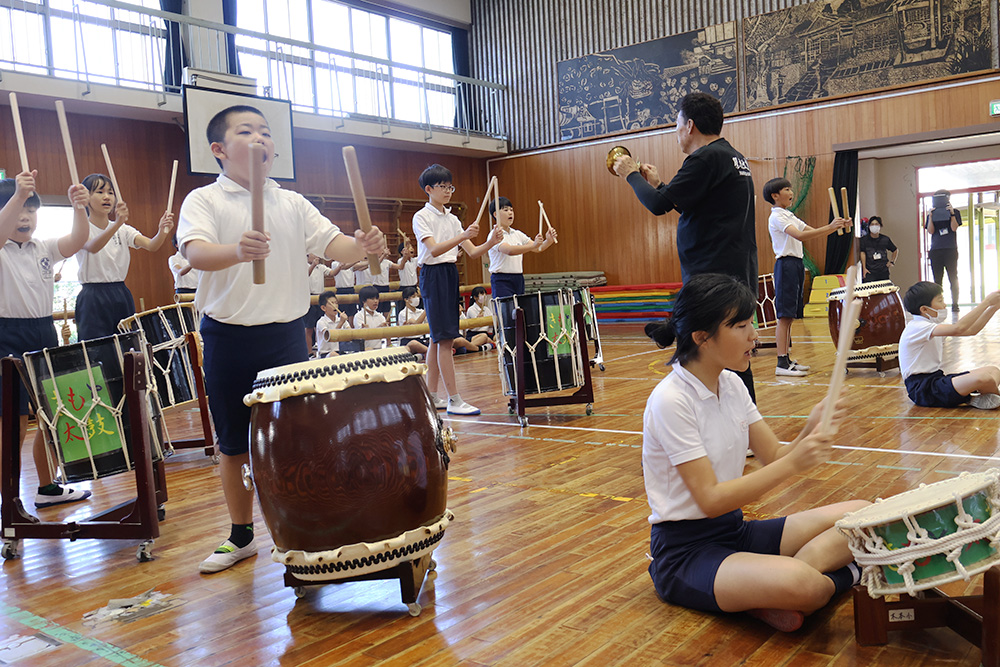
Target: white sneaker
462,408
440,403
791,371
66,495
984,401
801,367
227,555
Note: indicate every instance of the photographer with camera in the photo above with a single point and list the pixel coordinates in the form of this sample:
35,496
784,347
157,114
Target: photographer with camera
942,224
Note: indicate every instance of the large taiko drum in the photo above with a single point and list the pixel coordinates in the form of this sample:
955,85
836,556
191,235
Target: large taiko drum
880,324
931,535
79,393
349,460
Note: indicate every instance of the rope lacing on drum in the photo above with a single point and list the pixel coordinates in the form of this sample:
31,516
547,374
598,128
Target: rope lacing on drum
870,552
174,347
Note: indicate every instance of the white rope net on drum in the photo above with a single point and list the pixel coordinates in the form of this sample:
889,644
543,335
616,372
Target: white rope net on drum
176,347
872,554
567,334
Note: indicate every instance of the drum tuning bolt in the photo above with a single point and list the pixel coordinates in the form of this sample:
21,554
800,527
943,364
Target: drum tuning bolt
247,477
449,439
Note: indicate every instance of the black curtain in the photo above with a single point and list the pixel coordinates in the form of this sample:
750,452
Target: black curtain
460,58
229,18
174,60
839,247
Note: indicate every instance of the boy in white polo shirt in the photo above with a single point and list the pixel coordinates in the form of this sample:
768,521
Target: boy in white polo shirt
921,347
439,235
507,257
246,327
787,235
26,284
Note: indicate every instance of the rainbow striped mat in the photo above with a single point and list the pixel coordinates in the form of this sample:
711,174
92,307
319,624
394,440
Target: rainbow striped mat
634,303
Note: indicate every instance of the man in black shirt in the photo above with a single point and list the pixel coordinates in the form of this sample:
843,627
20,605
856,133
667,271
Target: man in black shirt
878,252
712,191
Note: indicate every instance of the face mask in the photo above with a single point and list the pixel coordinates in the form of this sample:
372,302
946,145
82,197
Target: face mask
413,301
875,229
481,299
939,315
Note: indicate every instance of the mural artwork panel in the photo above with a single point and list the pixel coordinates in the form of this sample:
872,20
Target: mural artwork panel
639,86
847,46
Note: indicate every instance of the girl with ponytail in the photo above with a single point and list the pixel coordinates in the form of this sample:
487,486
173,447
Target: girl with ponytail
697,427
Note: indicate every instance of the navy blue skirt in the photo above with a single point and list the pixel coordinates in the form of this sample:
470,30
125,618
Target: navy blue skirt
100,307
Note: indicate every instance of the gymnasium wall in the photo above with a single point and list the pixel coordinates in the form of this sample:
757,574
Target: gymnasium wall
603,227
142,153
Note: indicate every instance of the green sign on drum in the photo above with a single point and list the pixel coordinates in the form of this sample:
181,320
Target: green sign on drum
995,108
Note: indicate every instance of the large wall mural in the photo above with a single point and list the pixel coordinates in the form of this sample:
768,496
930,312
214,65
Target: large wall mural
639,86
848,46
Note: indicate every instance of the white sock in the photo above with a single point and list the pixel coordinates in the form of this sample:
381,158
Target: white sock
455,398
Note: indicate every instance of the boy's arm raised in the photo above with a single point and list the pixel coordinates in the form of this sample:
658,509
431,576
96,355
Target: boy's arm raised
973,322
206,256
73,242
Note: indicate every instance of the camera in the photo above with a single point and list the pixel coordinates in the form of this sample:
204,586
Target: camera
940,215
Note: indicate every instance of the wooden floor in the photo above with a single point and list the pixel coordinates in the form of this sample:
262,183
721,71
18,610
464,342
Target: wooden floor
545,563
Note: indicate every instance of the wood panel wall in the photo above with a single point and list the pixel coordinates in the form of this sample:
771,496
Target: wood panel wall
603,227
142,153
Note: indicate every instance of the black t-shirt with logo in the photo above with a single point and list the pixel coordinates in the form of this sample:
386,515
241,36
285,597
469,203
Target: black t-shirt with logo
877,252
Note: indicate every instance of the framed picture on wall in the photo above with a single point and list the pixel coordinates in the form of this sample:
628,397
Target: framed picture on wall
201,104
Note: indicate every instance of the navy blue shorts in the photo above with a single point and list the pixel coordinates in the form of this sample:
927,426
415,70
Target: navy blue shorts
439,291
789,276
100,307
934,390
687,554
234,355
506,284
25,334
312,316
186,290
349,308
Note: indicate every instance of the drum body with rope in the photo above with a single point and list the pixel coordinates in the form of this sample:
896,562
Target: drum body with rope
880,324
79,392
593,334
164,329
552,352
349,461
932,535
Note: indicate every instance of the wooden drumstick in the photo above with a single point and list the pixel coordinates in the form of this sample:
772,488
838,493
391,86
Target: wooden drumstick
360,202
111,172
66,332
257,177
833,205
486,199
541,217
547,221
173,182
849,312
496,201
847,208
142,305
67,144
15,111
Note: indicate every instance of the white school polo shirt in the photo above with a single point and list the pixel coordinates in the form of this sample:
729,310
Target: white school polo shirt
363,276
919,351
683,422
344,277
317,279
110,264
408,274
365,320
783,244
177,264
383,279
407,316
26,278
220,213
429,221
500,262
325,347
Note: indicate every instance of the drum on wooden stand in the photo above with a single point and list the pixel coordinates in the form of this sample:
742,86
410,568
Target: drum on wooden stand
932,535
551,342
164,329
349,461
877,330
80,393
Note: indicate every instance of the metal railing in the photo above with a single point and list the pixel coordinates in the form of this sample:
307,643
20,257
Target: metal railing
119,44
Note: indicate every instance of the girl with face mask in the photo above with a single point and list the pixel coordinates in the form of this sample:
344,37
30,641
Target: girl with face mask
921,349
878,252
479,308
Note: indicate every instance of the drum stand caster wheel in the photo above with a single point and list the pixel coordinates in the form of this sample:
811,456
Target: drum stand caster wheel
881,374
300,592
413,608
601,366
590,408
11,549
216,459
510,410
523,421
161,513
432,569
144,553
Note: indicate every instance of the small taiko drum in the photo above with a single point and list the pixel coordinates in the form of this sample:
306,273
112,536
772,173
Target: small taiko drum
164,329
349,460
931,535
880,324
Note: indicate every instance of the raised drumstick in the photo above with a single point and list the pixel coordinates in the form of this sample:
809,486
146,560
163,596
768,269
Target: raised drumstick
111,172
541,217
67,144
360,202
548,222
66,331
847,207
257,177
18,131
486,198
833,205
849,312
496,201
173,182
